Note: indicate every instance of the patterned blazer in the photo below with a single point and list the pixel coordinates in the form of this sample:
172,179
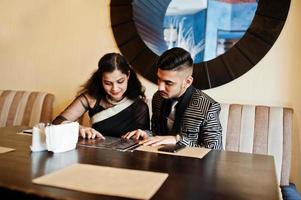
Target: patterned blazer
197,119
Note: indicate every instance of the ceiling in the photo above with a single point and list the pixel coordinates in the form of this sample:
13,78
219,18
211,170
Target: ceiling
187,7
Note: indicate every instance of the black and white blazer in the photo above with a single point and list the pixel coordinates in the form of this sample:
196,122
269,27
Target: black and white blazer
197,119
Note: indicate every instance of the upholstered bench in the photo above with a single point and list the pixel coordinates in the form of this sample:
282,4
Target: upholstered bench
25,107
261,130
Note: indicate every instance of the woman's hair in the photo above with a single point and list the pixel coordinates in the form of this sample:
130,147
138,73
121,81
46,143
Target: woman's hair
108,63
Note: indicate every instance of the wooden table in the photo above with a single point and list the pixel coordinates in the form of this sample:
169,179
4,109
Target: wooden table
219,175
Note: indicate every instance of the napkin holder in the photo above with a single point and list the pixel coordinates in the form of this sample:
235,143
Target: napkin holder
55,138
38,142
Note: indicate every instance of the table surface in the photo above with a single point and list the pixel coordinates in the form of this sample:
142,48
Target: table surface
219,175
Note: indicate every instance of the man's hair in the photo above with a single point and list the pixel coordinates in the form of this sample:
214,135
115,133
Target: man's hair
174,59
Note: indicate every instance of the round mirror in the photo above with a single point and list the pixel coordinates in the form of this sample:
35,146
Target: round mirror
204,28
142,32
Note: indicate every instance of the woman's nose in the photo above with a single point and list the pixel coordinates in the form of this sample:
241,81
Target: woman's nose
114,87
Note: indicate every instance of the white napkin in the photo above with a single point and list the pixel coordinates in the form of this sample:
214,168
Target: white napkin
38,142
63,137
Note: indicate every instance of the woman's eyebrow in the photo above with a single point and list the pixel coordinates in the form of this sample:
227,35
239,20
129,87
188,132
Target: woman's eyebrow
107,81
121,79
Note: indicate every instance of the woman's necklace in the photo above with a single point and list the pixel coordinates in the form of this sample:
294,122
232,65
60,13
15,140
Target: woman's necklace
112,102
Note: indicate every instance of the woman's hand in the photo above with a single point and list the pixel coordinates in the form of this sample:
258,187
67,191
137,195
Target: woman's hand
136,135
89,133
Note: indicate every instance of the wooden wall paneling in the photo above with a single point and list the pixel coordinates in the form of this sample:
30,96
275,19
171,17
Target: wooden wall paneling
132,48
200,78
253,48
124,33
144,64
219,74
273,8
121,17
120,2
265,28
236,63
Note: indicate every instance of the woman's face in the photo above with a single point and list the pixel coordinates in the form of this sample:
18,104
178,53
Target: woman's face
115,84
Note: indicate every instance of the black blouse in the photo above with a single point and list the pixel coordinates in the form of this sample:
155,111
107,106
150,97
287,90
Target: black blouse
136,116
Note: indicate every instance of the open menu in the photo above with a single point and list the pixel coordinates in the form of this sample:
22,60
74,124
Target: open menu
111,143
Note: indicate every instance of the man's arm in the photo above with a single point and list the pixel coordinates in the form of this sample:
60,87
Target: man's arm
211,132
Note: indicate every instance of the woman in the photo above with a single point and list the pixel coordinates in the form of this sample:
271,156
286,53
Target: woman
113,96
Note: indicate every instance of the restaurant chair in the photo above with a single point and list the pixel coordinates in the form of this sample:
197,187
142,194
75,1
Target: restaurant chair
85,120
261,130
25,108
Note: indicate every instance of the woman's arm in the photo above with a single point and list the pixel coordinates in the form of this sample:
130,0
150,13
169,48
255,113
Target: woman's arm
74,111
142,123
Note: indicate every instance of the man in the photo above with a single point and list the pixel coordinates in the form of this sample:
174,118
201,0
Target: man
181,113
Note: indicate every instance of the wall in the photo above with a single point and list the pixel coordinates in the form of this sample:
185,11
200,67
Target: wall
52,45
55,45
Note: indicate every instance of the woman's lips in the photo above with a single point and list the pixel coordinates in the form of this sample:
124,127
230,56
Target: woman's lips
115,93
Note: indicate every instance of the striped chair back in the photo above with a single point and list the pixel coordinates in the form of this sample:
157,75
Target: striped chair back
260,130
25,107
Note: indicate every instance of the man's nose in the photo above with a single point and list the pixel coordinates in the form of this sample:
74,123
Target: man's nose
161,86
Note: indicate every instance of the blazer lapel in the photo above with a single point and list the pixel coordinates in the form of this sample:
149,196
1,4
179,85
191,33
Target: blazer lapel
181,107
163,116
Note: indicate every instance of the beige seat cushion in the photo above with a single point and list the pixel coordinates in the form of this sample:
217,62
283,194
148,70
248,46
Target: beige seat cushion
261,130
25,107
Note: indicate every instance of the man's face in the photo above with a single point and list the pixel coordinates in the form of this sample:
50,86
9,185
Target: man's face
171,84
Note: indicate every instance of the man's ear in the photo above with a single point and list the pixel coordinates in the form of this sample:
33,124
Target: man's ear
188,81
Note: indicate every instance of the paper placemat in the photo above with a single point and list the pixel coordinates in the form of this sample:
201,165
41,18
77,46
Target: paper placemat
22,133
195,152
25,132
105,180
5,149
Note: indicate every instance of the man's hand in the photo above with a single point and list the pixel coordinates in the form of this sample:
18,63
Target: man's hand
89,133
136,135
159,140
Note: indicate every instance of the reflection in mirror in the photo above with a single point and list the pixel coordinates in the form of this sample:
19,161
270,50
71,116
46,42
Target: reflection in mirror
184,26
206,28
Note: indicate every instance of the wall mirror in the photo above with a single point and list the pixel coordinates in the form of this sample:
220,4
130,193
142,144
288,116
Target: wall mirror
204,28
242,33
